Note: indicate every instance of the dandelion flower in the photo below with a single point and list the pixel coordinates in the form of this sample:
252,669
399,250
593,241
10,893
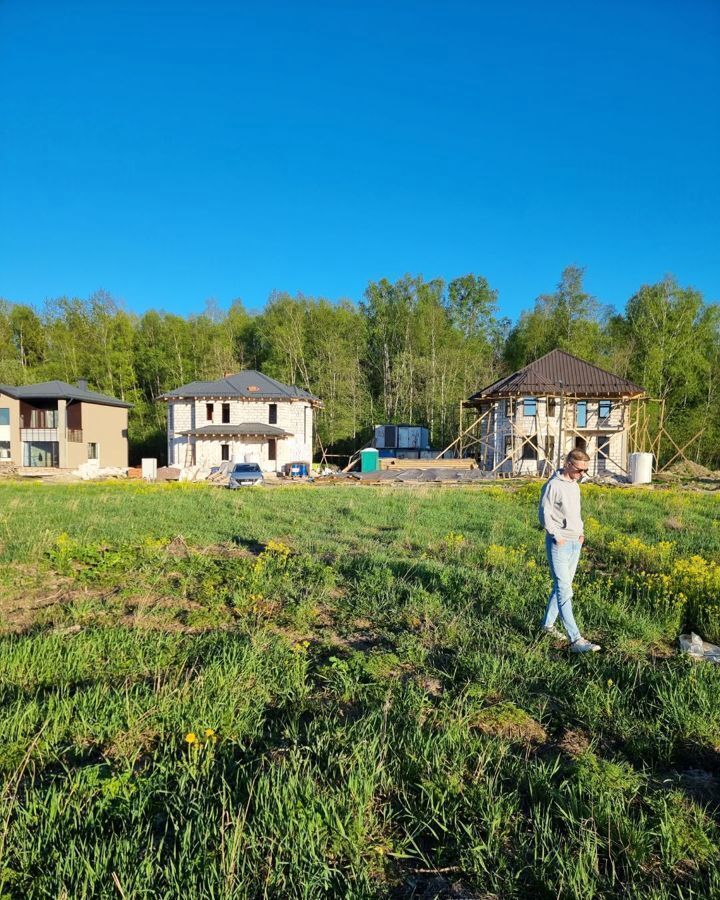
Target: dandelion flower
191,737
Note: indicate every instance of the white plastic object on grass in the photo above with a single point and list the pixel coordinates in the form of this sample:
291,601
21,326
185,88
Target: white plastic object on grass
695,646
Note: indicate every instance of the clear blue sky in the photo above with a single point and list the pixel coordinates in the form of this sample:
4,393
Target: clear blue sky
169,152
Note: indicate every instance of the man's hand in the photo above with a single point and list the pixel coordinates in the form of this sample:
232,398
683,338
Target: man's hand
559,541
582,538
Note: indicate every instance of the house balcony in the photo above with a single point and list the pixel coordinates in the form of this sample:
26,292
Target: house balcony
40,435
74,435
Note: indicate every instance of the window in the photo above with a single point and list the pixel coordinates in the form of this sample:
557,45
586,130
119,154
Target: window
529,450
4,415
581,414
40,418
551,406
529,406
224,452
45,454
226,413
272,450
209,407
171,418
272,413
580,443
603,454
4,449
508,409
93,451
604,409
508,445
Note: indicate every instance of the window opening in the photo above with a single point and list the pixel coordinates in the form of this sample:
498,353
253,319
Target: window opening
581,414
530,450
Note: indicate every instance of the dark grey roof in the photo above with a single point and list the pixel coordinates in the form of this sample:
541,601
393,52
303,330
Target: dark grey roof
246,384
248,429
60,390
557,373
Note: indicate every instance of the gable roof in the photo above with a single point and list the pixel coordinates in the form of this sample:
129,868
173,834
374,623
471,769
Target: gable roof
557,373
60,390
247,384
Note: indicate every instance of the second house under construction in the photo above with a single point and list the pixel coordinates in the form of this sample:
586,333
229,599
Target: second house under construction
525,423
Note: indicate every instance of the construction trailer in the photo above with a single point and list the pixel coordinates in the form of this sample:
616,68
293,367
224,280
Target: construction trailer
527,422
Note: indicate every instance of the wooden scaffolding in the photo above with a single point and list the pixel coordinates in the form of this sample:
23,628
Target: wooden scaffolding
641,428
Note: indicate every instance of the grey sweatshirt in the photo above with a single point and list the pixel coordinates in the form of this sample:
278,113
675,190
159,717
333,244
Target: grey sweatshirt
559,510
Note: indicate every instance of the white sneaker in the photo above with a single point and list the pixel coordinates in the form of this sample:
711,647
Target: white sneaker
553,632
583,646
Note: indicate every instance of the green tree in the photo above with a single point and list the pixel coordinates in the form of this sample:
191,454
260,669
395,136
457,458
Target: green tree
569,319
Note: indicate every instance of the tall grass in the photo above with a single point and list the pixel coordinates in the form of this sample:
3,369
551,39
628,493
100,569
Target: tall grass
341,692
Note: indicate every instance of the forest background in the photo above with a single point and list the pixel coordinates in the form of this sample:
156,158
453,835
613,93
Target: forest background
410,351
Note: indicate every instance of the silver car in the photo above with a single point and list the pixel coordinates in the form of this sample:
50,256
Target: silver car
245,475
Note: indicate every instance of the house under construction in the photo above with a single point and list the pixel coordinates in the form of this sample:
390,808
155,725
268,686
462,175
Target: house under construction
525,423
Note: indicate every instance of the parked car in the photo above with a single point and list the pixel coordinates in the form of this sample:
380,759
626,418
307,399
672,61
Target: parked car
245,475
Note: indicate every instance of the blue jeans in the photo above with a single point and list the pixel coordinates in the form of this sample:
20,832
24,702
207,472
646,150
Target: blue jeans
563,563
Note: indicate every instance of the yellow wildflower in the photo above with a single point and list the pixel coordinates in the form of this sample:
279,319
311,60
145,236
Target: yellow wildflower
191,737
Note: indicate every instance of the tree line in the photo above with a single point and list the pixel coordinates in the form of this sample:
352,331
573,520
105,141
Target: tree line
410,351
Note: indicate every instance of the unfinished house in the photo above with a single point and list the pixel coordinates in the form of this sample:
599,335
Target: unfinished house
247,417
525,423
55,425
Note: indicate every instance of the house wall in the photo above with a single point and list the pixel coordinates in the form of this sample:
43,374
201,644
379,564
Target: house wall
293,416
105,426
498,429
11,432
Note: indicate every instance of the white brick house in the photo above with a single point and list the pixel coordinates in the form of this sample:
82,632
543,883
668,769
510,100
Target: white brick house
528,421
247,417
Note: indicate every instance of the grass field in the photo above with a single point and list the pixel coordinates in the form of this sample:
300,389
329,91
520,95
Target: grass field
340,692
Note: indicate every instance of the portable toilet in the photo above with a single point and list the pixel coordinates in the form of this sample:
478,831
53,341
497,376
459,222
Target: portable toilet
369,460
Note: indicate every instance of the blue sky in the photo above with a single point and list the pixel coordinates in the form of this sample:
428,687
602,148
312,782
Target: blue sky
169,152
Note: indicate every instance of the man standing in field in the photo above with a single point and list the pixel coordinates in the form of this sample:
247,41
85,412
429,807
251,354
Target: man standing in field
559,514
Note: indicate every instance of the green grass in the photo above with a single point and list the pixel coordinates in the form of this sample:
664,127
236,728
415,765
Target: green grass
340,692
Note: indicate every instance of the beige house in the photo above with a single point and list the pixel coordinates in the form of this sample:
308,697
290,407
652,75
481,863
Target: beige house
55,425
248,417
525,423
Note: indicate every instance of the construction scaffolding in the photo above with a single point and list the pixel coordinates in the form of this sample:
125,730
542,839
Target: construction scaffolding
507,444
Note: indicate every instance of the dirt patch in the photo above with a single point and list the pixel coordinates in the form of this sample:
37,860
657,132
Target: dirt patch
26,593
574,742
432,686
661,650
509,721
178,548
689,469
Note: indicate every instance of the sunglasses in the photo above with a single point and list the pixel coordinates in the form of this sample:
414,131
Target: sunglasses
577,468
